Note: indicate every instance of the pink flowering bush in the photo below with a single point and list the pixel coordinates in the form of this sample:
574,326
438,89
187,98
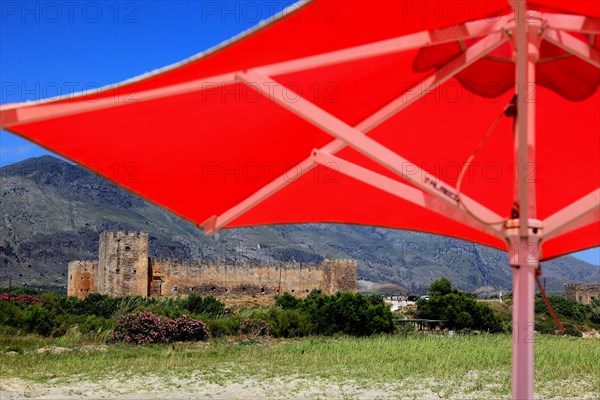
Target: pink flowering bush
255,327
143,327
184,329
20,298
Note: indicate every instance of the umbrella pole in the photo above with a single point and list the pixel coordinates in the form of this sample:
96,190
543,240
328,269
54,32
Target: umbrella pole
524,262
523,331
523,232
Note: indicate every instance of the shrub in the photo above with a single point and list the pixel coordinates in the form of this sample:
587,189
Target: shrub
286,301
348,313
39,320
20,298
223,327
255,327
460,310
463,320
440,287
185,329
11,314
595,311
290,323
207,305
140,328
564,307
406,330
93,323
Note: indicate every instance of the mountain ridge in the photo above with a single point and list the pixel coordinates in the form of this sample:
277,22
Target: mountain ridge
52,212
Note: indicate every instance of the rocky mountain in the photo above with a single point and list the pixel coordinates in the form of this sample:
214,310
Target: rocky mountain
52,212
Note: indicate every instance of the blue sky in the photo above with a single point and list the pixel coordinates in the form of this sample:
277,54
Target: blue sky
59,47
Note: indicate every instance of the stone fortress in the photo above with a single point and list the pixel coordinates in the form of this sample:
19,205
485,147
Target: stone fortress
124,268
581,293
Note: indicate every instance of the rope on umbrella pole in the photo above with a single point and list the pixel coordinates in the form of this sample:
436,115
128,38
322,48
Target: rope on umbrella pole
509,111
559,324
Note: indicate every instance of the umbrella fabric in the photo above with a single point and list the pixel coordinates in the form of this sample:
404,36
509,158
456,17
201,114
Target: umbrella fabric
200,153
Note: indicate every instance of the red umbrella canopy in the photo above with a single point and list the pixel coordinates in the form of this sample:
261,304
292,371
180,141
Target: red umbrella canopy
395,96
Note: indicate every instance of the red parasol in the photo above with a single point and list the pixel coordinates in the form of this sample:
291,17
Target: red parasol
477,120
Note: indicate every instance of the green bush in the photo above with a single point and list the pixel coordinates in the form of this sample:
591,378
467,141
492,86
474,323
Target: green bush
255,327
290,323
207,305
286,301
39,320
348,313
460,310
564,308
220,327
95,324
441,287
11,314
595,311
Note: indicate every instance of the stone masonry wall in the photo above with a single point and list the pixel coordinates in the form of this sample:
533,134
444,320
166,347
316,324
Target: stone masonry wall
81,278
123,264
175,277
580,293
343,275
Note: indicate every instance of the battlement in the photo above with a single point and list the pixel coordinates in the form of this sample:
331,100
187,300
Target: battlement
122,234
189,263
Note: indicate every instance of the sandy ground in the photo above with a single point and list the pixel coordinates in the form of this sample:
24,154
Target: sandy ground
196,387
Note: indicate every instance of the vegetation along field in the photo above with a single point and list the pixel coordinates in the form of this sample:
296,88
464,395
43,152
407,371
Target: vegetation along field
343,346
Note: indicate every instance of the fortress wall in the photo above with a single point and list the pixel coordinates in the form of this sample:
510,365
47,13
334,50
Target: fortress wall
124,268
300,279
218,278
81,278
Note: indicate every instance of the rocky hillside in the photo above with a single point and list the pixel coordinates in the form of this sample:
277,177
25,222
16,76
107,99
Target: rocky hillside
51,212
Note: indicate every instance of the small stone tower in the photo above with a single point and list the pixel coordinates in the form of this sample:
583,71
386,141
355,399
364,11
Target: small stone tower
339,276
81,279
122,264
582,293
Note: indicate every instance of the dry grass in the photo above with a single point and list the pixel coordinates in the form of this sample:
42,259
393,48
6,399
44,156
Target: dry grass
235,304
383,367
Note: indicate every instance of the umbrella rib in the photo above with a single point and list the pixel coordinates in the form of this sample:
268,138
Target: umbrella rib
578,214
362,143
574,46
472,54
19,113
13,114
413,41
402,190
572,23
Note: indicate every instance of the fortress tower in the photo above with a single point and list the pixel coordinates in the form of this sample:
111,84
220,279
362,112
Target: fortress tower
122,264
582,293
81,278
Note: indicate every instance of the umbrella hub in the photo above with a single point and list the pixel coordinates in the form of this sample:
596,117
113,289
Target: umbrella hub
524,251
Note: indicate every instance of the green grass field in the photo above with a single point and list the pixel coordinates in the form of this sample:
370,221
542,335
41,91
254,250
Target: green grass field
453,366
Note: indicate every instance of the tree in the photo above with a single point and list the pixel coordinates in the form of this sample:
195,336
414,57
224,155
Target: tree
460,310
440,287
463,320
